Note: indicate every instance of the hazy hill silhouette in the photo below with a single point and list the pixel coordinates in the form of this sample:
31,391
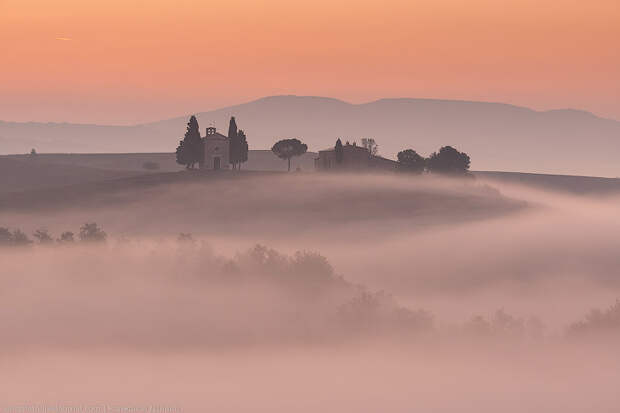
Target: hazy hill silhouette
497,136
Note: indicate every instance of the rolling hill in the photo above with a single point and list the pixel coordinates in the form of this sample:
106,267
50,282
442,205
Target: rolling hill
497,136
34,174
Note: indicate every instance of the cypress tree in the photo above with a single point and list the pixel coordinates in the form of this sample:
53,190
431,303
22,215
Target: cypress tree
339,151
182,155
233,141
190,150
242,147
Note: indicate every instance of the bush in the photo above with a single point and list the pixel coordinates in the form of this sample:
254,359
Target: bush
448,161
368,312
66,237
410,161
607,321
90,232
43,236
13,239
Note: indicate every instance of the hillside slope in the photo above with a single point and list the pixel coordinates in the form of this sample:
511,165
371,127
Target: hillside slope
258,160
33,174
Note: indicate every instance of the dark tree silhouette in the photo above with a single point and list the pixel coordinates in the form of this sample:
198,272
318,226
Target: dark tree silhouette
242,148
66,237
15,238
238,150
190,150
410,161
43,236
90,232
598,321
448,161
185,237
33,152
6,237
287,148
193,136
233,142
183,155
339,151
20,238
232,128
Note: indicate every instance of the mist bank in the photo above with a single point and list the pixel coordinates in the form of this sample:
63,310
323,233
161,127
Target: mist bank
183,296
345,379
314,293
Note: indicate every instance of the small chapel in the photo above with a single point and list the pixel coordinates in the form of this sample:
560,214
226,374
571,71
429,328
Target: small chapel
217,150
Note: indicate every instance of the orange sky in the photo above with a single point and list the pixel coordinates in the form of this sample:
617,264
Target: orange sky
126,61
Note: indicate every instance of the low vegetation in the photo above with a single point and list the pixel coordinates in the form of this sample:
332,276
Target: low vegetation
447,161
598,321
89,232
13,238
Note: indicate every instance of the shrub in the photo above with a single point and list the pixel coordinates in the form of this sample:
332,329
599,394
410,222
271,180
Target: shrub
43,236
90,232
448,161
66,237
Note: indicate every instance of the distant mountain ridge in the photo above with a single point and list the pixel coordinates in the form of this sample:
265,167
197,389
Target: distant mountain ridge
497,136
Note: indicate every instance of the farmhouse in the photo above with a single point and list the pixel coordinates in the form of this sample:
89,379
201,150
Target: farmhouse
216,150
354,158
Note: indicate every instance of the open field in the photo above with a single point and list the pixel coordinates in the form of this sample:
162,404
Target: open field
258,160
30,174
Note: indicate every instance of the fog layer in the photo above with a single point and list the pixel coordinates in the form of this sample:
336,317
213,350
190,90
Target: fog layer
312,292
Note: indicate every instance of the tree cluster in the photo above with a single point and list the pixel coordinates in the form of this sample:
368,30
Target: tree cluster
447,161
13,238
89,232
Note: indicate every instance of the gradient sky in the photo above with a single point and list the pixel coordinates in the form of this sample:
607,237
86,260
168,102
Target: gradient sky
128,61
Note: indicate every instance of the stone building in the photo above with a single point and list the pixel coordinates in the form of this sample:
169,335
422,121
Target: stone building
355,158
217,150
